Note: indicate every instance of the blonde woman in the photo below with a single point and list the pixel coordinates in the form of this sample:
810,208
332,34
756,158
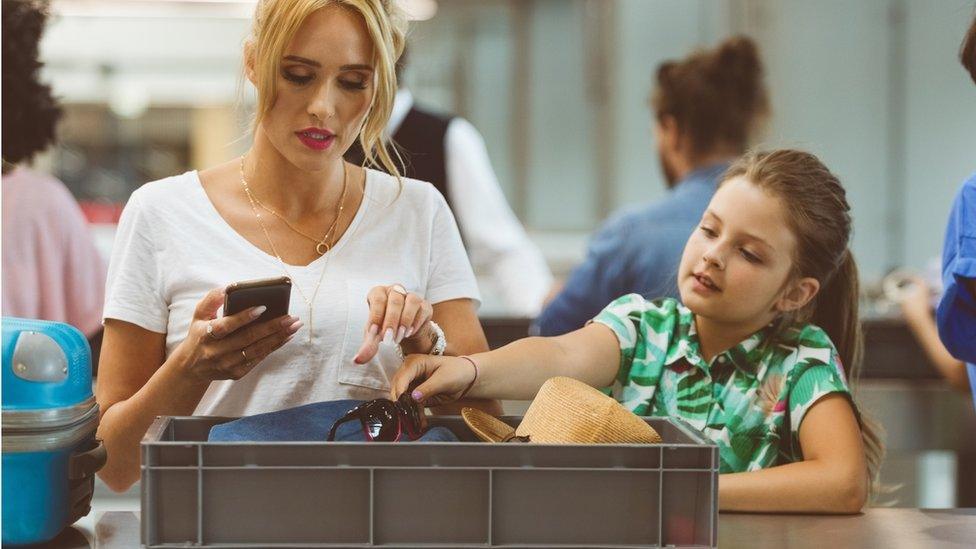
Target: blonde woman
371,256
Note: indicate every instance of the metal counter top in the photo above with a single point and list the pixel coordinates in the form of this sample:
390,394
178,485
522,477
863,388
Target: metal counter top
878,527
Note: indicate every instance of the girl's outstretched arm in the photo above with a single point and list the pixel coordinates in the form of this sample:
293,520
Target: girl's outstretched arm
515,371
832,478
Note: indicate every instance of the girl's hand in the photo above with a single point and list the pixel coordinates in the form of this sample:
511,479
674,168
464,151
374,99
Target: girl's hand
395,314
441,379
230,347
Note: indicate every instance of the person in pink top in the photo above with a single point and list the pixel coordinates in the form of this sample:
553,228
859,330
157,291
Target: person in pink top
51,269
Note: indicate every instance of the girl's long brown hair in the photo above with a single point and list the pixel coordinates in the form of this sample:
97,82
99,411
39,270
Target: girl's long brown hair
820,219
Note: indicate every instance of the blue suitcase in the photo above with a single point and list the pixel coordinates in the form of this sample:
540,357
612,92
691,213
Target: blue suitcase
50,454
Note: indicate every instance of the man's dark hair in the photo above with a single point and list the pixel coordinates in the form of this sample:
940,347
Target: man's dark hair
967,53
717,97
30,112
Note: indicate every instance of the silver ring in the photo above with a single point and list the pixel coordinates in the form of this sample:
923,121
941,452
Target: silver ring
210,331
398,289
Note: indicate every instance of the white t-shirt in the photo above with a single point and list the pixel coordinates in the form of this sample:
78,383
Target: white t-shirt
172,247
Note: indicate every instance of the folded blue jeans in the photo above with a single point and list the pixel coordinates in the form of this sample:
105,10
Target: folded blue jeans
308,423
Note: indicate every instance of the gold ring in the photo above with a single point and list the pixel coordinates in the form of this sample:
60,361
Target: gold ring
398,289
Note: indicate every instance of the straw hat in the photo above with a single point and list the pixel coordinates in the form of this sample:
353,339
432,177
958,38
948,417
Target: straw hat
567,411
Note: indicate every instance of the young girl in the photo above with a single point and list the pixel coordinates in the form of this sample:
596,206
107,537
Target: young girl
754,355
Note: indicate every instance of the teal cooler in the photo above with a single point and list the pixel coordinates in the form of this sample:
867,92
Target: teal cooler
50,454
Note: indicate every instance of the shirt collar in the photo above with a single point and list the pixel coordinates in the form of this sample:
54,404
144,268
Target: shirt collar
746,356
402,104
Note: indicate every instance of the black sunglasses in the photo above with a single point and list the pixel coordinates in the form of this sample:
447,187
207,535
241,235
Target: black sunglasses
384,420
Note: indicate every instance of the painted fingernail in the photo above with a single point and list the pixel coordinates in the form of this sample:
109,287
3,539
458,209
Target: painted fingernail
409,332
388,335
296,326
417,395
374,329
256,312
288,321
400,333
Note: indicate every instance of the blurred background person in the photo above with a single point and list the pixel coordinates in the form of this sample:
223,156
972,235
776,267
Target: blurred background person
706,109
915,300
51,268
957,310
450,153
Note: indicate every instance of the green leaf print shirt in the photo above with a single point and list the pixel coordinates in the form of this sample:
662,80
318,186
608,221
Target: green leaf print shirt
750,399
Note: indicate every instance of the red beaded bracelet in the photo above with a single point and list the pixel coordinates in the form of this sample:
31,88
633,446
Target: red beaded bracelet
470,385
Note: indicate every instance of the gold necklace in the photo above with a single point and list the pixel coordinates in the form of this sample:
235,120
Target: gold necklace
321,245
267,235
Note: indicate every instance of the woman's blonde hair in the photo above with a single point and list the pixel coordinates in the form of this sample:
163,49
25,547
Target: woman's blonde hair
275,24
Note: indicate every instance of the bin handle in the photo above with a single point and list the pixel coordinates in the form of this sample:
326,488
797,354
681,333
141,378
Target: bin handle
86,463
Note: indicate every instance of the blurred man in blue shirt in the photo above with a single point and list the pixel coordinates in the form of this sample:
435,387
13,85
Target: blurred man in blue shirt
957,310
706,108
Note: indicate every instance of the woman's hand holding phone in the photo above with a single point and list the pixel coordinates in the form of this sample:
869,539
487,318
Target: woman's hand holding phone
231,346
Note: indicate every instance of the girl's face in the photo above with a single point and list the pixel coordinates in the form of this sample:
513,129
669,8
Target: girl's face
325,88
737,267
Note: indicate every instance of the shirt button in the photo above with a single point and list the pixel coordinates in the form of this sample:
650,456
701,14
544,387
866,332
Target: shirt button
721,359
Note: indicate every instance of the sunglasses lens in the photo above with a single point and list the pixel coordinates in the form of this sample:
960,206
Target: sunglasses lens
386,421
380,422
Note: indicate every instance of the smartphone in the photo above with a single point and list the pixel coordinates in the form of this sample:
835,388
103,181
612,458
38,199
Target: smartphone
273,293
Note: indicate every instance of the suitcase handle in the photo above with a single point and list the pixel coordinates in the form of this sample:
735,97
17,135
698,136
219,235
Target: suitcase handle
86,463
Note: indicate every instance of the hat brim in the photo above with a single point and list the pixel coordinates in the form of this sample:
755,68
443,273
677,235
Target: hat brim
485,426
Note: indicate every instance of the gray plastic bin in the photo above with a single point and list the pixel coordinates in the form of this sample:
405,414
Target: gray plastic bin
467,494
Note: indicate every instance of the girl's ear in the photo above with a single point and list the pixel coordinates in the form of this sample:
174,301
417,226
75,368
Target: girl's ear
797,295
249,62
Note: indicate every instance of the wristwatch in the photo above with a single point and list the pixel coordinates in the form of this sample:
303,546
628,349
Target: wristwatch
439,342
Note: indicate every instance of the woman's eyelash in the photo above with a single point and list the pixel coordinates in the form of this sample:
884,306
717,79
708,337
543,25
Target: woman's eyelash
348,84
708,232
353,85
297,78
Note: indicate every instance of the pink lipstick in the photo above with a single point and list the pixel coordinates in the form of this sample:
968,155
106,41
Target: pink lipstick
318,139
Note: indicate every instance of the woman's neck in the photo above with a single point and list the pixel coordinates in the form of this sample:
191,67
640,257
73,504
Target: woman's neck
716,337
287,189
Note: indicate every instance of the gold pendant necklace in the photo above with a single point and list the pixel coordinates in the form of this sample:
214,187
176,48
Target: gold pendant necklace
327,246
321,245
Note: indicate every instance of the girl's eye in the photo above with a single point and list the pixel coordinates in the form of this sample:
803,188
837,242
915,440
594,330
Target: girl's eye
708,231
297,78
353,84
750,257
